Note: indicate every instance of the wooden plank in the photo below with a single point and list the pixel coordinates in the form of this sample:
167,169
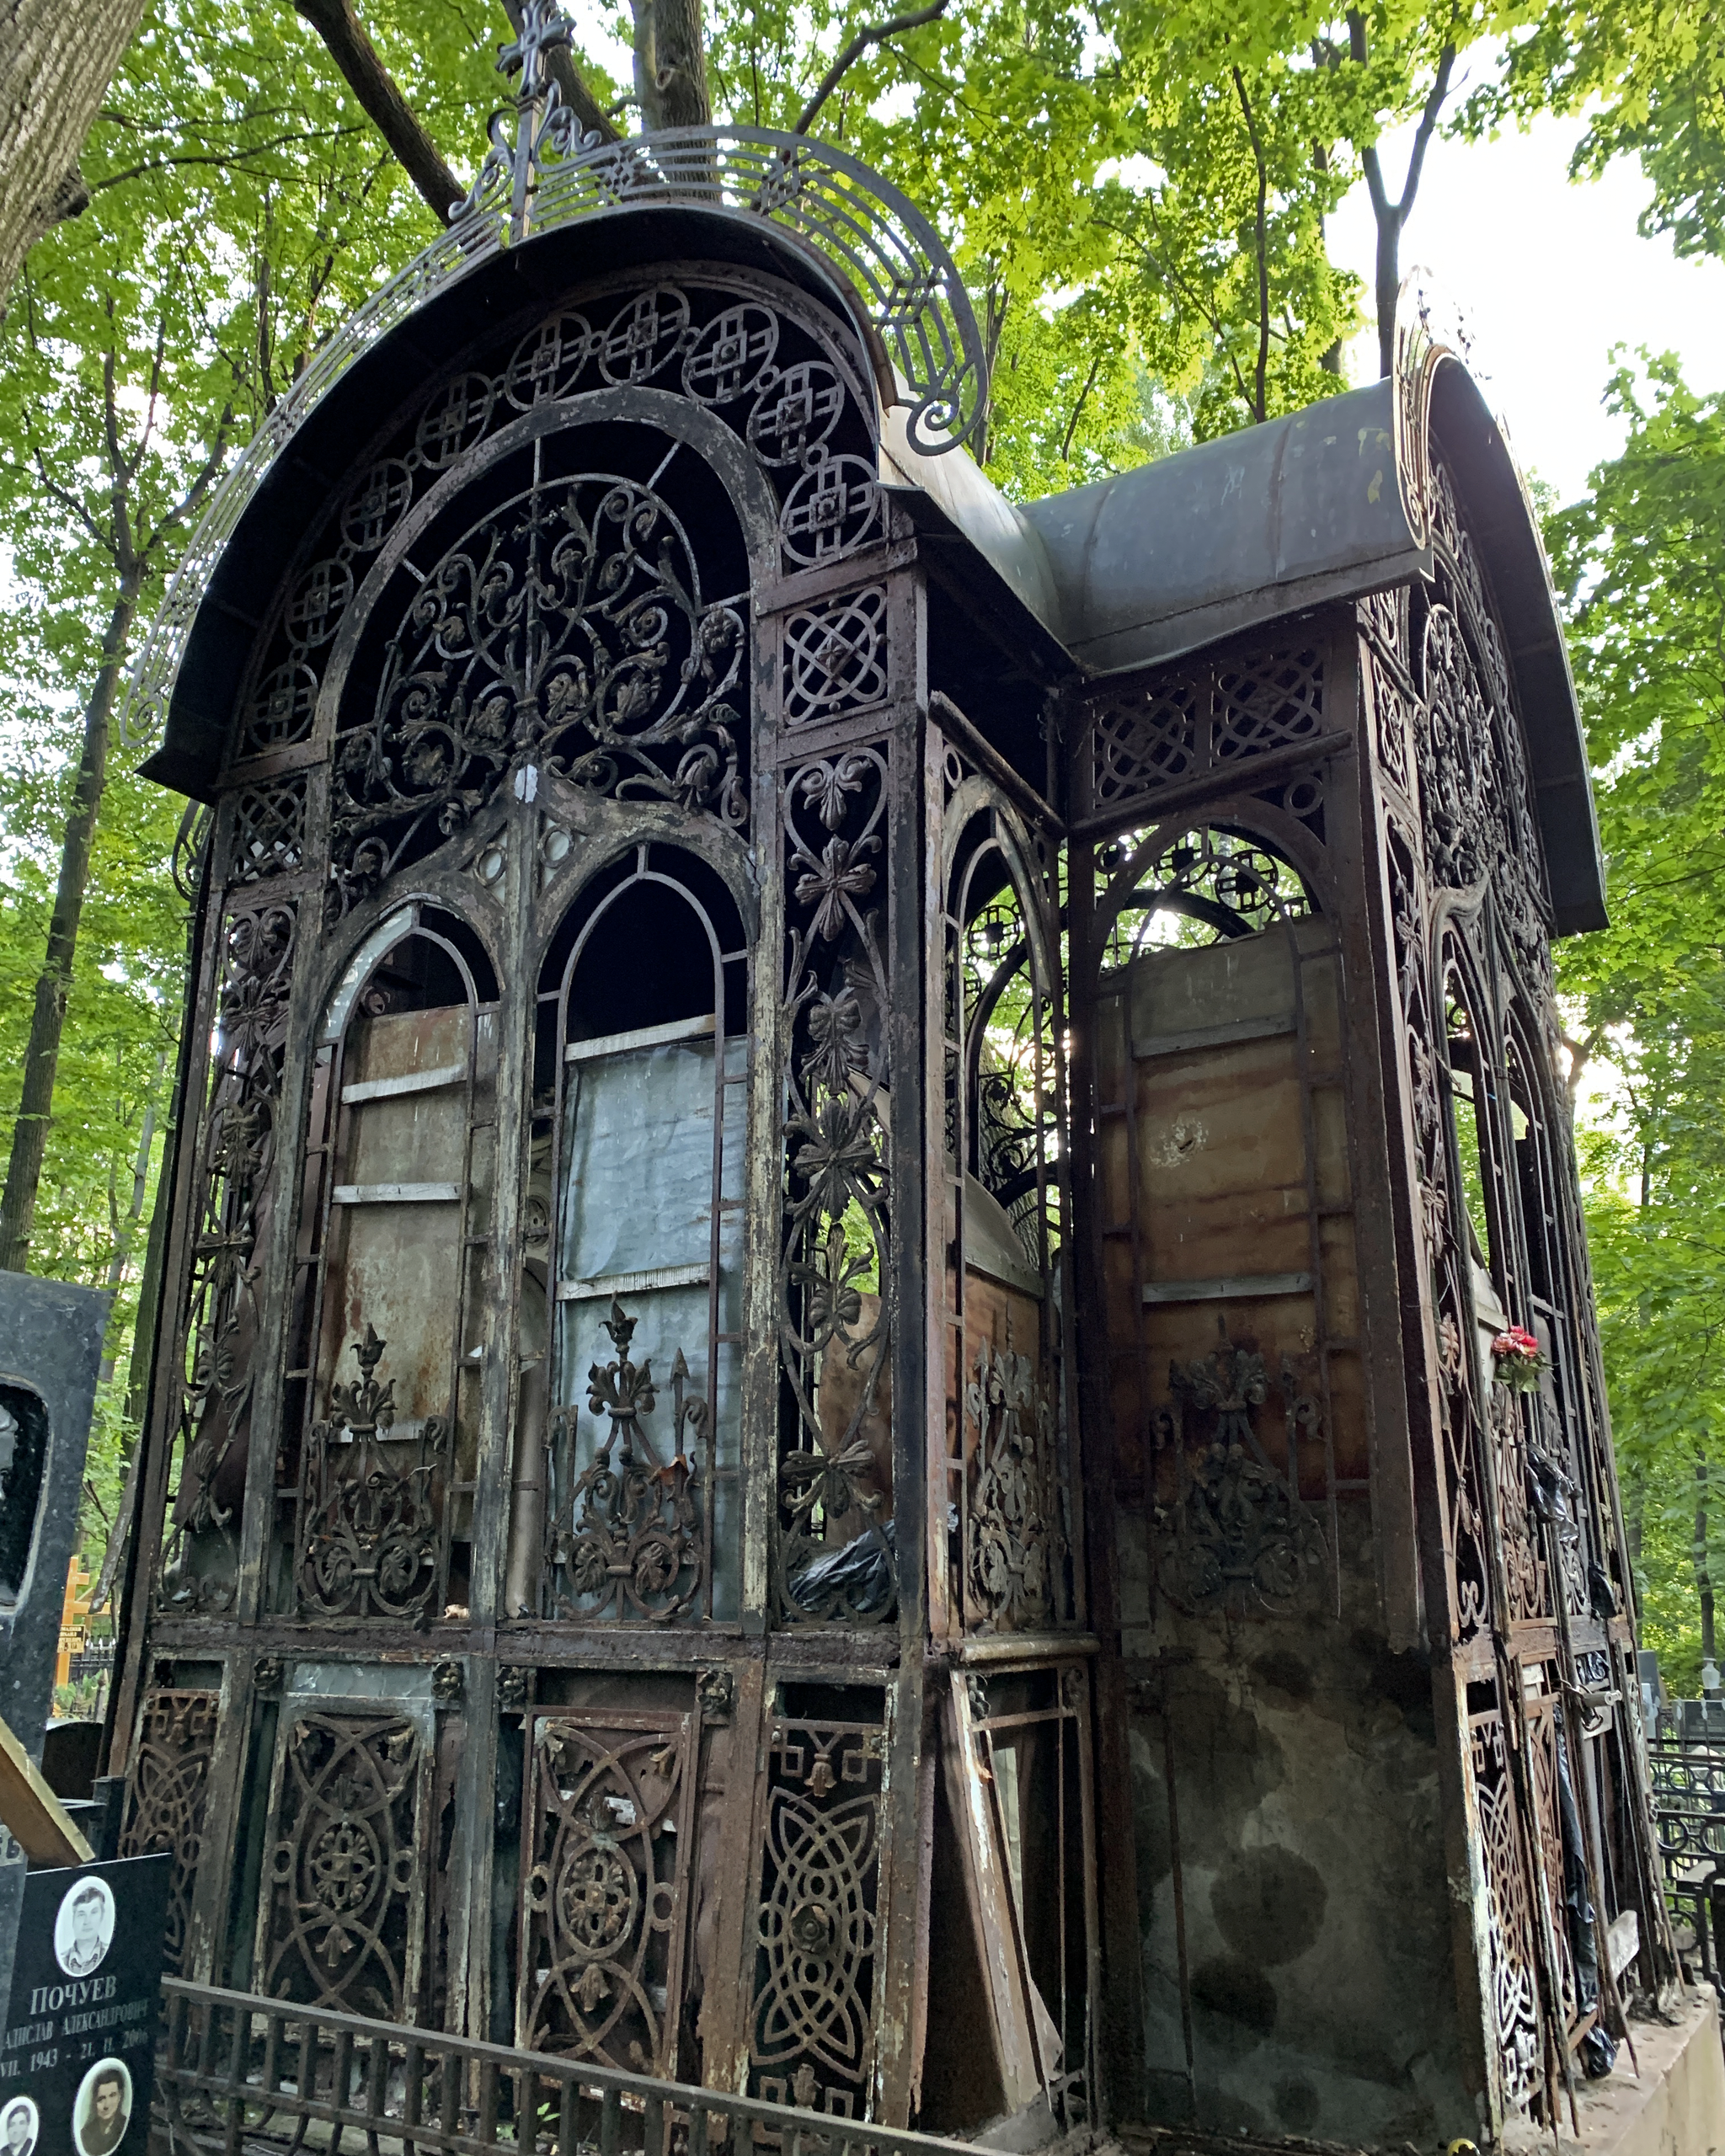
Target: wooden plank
409,1081
1241,1288
394,1194
635,1283
675,1029
31,1812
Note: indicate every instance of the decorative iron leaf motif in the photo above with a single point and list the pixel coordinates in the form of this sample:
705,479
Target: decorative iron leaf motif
168,1786
345,1882
835,1560
604,1891
373,1544
626,1534
1236,1535
811,2037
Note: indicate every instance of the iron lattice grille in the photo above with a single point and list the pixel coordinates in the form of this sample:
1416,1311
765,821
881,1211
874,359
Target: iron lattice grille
883,246
819,1918
1180,726
167,1788
342,1919
1514,1985
608,1839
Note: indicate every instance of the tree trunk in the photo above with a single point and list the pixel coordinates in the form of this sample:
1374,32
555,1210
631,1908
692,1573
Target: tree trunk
670,65
55,63
29,1137
1389,282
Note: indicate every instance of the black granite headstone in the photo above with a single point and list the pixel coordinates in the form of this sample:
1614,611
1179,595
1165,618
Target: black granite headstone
77,2055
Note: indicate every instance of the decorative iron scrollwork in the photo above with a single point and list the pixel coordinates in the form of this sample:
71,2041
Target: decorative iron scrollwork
200,1559
627,1532
1236,1535
169,1786
835,1557
1515,1995
373,1544
811,2037
341,1925
603,1891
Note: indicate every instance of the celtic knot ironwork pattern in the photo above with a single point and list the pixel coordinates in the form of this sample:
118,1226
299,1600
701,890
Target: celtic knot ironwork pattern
628,1532
1514,1984
236,1159
834,1556
811,2038
1183,725
603,1890
1014,1544
167,1788
269,831
835,657
1235,1535
570,626
340,1923
1267,703
373,1544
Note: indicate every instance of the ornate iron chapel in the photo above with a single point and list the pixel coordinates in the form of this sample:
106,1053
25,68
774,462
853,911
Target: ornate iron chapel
824,1419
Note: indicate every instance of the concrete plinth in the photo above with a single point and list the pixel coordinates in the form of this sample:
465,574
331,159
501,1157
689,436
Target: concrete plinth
1676,2106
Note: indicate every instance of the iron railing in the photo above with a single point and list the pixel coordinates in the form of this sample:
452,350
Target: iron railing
1688,1782
240,2073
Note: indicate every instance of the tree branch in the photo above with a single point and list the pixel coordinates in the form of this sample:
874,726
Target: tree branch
1422,133
870,33
1259,411
380,95
1072,424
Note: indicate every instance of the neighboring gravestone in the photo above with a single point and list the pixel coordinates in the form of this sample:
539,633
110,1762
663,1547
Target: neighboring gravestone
77,2049
50,1351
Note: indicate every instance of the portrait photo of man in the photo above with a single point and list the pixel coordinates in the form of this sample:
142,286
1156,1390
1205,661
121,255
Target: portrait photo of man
19,2124
103,2110
83,1930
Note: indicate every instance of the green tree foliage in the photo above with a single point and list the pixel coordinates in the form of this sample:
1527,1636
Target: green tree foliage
1642,562
1649,76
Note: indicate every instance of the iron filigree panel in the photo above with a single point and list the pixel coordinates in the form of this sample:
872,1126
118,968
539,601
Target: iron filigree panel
627,1530
833,1557
345,1869
811,2038
217,1338
373,1545
1231,1532
1014,1546
604,1897
1514,1985
167,1788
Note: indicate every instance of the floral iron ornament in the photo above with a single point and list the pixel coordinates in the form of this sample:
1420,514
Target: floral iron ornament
1238,1538
629,1535
374,1545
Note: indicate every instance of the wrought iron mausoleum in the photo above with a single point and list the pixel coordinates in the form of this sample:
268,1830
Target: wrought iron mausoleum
824,1418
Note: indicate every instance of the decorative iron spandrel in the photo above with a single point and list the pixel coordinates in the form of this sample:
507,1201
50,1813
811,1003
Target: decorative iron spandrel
373,1541
168,1786
628,1528
342,1920
604,1887
885,248
811,2031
